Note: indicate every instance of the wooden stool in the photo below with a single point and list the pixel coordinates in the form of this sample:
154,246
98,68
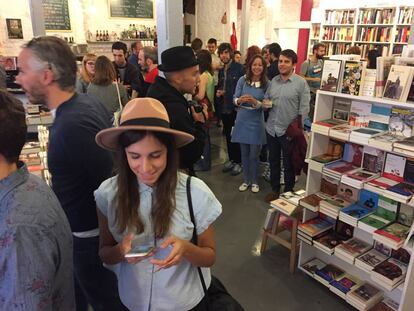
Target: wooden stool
282,223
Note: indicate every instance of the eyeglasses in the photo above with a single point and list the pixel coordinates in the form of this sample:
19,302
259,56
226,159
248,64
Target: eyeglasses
90,63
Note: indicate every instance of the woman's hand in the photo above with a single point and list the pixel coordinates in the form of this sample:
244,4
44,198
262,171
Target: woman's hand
179,249
126,245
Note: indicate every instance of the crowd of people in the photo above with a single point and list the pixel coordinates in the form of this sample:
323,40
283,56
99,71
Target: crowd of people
119,188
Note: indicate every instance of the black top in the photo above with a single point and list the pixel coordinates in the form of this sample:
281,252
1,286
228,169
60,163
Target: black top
273,70
180,119
133,77
77,164
227,81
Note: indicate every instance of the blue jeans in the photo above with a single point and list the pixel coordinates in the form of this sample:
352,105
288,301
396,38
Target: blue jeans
94,284
250,162
277,146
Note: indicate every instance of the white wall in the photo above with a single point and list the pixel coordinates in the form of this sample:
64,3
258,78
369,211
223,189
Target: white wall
18,9
208,20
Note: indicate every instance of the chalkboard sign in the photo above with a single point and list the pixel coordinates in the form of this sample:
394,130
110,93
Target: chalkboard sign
56,14
131,8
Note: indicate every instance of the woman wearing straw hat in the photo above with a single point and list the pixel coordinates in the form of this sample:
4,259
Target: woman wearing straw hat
146,205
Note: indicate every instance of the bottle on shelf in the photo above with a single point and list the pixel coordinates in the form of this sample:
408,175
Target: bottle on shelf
107,36
97,36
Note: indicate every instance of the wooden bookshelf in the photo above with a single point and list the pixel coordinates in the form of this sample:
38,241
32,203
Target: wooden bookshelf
384,28
318,145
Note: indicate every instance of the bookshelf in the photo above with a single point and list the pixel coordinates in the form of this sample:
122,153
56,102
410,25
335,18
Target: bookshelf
384,28
314,36
318,145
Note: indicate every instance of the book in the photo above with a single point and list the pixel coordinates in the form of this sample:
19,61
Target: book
351,249
323,126
360,113
341,109
405,214
368,82
333,152
401,121
362,135
315,226
386,305
313,265
358,177
329,185
293,197
328,242
398,83
352,76
378,185
384,141
394,167
405,144
328,274
371,259
283,206
377,220
344,285
392,235
352,214
341,131
383,68
401,192
364,296
379,118
391,271
332,206
348,192
331,73
311,202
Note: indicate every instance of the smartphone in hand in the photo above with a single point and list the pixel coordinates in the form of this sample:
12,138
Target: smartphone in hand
139,251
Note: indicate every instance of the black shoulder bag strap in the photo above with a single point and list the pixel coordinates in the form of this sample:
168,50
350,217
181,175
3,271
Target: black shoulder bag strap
194,239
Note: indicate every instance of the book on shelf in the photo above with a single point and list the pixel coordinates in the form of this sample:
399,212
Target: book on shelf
378,185
328,274
384,64
385,214
344,284
348,192
368,82
405,215
316,226
360,113
341,132
367,204
293,197
313,265
331,75
405,145
389,273
379,117
373,257
405,16
311,202
364,134
351,249
364,296
352,76
328,242
393,235
401,121
323,126
394,167
384,141
341,109
332,206
387,304
284,206
329,185
398,82
270,218
401,192
31,147
351,159
333,152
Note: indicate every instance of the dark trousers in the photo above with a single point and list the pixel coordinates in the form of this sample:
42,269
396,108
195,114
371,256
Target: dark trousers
233,149
276,146
205,162
94,284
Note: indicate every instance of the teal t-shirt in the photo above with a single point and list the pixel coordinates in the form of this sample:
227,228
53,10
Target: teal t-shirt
312,70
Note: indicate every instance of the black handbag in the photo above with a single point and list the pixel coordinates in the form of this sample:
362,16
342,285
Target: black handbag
218,298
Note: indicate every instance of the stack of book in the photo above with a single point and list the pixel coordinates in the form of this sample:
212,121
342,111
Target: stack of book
311,202
365,296
367,204
364,134
385,214
351,160
328,274
378,254
393,235
332,239
351,249
390,273
333,153
384,141
288,202
405,146
386,305
324,126
36,117
314,228
344,285
312,266
333,205
380,184
401,192
341,132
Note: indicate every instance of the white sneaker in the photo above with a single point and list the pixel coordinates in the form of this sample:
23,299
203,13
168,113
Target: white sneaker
255,188
243,187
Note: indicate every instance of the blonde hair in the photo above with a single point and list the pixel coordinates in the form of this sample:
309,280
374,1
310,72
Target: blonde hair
83,71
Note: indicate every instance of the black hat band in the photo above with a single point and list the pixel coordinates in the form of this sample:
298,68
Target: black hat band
146,122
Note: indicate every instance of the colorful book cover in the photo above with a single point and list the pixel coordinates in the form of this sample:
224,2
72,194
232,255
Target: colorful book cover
373,159
315,226
403,189
401,121
382,183
368,199
405,214
394,167
353,154
330,272
365,292
372,258
351,81
340,167
399,79
329,122
345,283
360,114
356,211
312,200
392,269
380,117
388,204
331,75
354,246
343,230
348,192
409,171
341,108
313,265
402,255
395,231
380,218
329,185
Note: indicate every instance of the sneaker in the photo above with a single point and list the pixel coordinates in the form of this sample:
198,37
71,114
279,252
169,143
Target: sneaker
272,196
228,166
255,188
243,187
237,169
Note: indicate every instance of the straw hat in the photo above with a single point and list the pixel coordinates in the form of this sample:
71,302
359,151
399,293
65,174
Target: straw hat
141,114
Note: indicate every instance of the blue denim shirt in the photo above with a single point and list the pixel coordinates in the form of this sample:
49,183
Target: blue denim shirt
35,247
227,82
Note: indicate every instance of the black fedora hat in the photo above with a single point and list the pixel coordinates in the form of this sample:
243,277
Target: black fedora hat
177,58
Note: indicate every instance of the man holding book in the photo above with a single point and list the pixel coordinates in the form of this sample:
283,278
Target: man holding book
286,98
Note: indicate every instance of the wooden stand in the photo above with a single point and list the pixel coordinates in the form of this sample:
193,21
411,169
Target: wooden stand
274,234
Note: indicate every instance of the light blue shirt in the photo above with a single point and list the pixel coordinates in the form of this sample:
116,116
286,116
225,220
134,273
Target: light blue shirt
289,98
175,288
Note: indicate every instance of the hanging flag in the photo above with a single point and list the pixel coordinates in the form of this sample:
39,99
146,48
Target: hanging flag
233,37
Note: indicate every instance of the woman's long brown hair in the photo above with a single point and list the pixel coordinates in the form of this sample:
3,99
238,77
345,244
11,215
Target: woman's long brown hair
249,74
127,214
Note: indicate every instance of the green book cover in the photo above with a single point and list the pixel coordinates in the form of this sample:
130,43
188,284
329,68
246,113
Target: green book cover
380,218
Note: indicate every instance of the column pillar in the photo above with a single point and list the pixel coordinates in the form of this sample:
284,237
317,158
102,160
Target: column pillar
38,20
303,39
170,24
245,26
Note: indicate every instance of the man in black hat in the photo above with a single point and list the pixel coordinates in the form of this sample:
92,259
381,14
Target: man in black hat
182,76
